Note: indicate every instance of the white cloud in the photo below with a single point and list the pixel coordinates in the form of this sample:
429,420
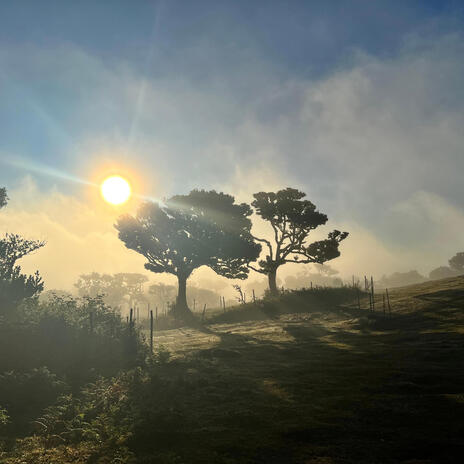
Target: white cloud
378,145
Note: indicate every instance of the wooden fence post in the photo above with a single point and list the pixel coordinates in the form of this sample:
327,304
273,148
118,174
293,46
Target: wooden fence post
151,332
372,291
224,303
359,302
388,300
254,296
203,314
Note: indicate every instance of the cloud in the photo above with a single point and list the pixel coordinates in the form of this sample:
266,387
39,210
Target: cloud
377,144
79,238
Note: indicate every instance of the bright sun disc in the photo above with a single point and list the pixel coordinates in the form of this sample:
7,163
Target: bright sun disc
115,190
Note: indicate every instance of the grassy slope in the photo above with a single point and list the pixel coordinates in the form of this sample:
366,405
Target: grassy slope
334,385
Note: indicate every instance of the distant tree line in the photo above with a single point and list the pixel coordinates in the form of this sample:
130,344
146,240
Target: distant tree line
398,279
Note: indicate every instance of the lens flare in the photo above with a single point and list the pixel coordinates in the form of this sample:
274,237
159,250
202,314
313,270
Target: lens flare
115,190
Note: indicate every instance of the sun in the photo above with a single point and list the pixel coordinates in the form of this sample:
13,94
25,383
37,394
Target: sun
115,190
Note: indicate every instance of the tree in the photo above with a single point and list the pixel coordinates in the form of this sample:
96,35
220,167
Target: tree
400,279
457,262
94,284
3,197
15,286
203,228
442,272
292,219
115,288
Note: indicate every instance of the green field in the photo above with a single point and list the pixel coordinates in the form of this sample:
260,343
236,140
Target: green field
326,385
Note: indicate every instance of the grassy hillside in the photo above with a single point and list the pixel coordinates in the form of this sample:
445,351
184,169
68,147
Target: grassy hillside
331,385
307,379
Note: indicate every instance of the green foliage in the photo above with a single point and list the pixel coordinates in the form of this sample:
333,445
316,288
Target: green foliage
78,339
25,394
4,418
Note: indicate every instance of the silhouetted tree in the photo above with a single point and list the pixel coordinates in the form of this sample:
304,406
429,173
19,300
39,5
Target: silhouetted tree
399,279
162,294
3,197
189,231
131,284
292,219
325,277
116,289
15,286
457,262
95,284
442,272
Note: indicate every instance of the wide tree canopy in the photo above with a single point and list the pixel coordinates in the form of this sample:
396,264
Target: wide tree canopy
185,232
292,218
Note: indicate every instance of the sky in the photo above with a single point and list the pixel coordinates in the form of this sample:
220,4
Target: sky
358,103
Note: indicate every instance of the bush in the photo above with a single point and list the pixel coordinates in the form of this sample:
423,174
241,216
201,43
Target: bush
26,394
78,339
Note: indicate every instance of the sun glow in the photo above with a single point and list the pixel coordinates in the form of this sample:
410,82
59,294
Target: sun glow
115,190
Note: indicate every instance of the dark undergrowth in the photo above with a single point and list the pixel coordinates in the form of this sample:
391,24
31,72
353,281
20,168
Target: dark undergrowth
389,393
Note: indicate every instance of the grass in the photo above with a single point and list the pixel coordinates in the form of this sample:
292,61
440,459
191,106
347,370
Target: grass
308,378
324,385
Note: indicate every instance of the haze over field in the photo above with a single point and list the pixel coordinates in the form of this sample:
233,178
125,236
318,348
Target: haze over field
358,104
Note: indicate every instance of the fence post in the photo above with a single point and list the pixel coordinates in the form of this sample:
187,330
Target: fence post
224,303
156,312
359,302
254,296
203,314
372,291
151,332
388,300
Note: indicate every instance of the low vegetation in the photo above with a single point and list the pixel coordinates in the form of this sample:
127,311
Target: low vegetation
307,378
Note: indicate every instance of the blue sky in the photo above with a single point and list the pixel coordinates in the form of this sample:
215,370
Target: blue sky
358,103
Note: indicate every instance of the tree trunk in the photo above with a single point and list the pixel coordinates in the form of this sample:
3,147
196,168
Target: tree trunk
272,277
182,310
